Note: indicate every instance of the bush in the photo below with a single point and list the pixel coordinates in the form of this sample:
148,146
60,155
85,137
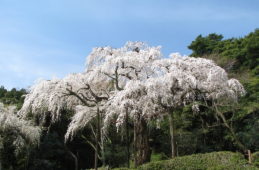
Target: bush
212,161
255,159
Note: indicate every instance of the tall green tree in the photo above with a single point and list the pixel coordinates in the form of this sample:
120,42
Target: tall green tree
204,45
239,57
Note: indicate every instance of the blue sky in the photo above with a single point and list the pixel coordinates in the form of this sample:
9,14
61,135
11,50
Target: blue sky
39,39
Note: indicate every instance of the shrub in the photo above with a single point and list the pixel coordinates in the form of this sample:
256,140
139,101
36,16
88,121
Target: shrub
255,159
212,161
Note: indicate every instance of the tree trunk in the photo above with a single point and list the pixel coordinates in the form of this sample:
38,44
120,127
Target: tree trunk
127,135
102,147
231,130
101,144
96,138
171,121
135,144
144,151
1,155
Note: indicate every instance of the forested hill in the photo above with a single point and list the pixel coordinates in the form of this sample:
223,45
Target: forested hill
12,97
243,52
238,56
232,126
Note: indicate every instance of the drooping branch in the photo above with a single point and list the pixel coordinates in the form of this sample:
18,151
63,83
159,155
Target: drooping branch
24,129
86,98
109,76
80,98
97,98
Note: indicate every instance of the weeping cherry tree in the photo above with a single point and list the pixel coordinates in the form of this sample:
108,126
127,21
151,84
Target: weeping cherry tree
78,92
134,82
24,129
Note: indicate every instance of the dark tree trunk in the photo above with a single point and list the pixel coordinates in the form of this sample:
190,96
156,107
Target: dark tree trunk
135,145
96,139
142,142
1,155
127,131
171,121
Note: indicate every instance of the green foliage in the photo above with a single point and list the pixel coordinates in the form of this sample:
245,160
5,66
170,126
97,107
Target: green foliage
255,159
204,45
49,154
249,54
249,134
240,58
2,91
244,52
53,153
8,156
104,168
215,161
187,135
156,157
115,155
12,97
115,148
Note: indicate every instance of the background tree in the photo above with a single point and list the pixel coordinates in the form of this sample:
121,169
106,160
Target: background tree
243,51
12,97
205,45
238,57
16,133
2,91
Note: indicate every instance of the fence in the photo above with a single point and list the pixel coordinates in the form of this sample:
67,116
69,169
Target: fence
249,156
